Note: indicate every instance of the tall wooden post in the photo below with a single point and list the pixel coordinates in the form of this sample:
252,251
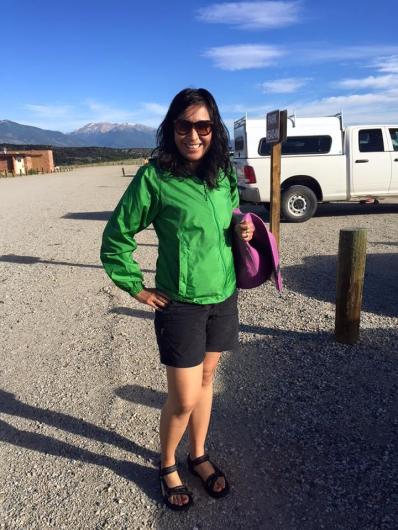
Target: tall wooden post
350,276
124,174
275,204
275,135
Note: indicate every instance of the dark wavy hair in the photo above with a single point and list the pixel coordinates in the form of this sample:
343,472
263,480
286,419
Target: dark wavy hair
168,156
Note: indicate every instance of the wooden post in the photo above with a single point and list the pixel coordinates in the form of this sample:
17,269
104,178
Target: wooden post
124,174
275,213
350,276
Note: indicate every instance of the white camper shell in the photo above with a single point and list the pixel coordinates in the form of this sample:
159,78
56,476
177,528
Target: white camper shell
321,161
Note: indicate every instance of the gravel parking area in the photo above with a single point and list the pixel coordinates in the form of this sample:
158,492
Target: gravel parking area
306,428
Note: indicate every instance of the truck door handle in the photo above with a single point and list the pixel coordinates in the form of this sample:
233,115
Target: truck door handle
361,161
395,159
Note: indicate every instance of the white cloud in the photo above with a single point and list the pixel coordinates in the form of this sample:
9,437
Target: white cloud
283,86
387,64
146,113
48,110
155,108
378,105
69,117
251,15
325,52
103,112
244,56
357,108
377,82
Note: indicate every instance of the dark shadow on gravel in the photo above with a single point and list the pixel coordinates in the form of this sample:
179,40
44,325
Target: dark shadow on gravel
137,313
142,395
332,209
14,407
275,332
342,209
91,216
88,216
143,476
32,260
316,278
307,434
306,430
385,243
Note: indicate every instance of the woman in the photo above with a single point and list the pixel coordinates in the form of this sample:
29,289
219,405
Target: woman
188,192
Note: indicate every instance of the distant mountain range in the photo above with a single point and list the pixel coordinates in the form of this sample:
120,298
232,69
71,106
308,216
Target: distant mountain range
104,134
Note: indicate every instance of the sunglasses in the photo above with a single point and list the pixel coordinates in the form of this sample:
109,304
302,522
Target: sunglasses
202,127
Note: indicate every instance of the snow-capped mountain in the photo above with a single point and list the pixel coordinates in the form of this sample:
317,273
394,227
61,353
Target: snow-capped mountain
105,134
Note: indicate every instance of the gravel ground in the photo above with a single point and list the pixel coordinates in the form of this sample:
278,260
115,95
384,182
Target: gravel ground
305,427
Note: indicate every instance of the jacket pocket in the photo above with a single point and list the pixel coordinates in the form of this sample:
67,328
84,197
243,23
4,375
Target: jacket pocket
183,268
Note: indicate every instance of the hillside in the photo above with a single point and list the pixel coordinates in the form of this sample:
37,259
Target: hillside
93,134
68,156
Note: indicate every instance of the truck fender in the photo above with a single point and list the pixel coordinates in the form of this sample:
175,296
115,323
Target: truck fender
303,180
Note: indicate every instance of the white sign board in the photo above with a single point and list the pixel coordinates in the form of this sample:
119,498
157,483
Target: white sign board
273,127
276,126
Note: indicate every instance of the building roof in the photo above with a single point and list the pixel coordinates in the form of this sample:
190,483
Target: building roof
19,153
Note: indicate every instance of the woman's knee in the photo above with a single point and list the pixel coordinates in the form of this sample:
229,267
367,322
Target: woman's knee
208,376
209,367
181,407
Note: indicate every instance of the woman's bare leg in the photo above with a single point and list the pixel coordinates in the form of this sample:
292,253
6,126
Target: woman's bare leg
200,418
184,390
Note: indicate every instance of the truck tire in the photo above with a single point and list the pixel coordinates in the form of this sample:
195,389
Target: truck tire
298,204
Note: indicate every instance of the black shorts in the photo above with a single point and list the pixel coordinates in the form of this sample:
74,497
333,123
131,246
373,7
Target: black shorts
186,331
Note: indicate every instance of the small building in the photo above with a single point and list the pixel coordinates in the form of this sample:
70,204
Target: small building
23,162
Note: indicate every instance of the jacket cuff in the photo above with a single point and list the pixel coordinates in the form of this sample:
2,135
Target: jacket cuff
136,288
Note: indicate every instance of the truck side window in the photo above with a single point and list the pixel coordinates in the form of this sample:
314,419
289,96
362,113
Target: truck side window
300,145
370,140
394,138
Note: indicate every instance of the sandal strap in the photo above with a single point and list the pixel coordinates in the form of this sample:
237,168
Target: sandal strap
167,470
212,479
178,490
199,460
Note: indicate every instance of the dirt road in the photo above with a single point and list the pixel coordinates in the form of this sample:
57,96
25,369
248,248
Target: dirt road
305,427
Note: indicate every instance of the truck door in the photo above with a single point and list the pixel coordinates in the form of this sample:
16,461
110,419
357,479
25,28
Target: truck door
394,161
370,163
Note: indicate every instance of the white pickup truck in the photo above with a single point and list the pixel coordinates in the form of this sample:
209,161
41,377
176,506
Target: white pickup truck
321,161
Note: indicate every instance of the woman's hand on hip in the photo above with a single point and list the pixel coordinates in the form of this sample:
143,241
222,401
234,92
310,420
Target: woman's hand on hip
153,298
245,230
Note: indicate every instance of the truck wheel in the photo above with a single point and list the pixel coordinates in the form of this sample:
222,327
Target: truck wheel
299,204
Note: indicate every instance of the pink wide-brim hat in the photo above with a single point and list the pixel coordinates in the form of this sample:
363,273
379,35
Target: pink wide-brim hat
258,259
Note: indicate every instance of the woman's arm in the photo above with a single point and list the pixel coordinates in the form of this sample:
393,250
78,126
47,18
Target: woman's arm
136,210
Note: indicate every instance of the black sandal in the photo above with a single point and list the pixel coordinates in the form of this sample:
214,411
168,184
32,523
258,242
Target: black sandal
208,484
177,490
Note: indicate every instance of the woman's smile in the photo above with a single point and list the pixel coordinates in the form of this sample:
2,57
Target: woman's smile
191,145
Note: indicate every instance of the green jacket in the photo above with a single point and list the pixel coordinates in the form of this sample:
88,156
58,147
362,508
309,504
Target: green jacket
193,225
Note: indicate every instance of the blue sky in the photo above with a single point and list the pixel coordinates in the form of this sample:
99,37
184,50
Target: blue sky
65,64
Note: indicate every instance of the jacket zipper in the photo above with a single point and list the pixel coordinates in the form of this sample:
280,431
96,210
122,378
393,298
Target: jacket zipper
207,197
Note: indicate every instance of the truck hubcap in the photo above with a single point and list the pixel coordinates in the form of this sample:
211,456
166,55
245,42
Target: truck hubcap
297,204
